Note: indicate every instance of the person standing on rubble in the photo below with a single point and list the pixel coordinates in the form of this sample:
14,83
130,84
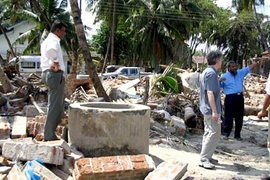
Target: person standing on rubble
52,66
233,86
210,107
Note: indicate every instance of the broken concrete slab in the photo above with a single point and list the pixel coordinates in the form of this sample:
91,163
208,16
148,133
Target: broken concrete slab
31,110
60,143
18,125
25,150
174,170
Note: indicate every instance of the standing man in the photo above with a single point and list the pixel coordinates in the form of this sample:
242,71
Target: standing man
233,86
210,106
52,66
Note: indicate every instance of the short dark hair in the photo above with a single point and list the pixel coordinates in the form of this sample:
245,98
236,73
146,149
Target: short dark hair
229,63
58,24
213,57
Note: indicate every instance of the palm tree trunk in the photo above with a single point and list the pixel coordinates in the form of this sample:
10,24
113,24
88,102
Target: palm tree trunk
86,51
263,39
106,56
6,84
7,39
112,33
39,9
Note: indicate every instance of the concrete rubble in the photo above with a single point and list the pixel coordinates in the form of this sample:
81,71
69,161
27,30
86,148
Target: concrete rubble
24,154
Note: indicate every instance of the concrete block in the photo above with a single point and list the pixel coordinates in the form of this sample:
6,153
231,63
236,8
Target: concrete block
29,150
113,167
18,125
59,143
31,111
168,171
179,125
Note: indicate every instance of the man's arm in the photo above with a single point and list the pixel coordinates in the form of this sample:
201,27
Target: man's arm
266,103
252,66
211,99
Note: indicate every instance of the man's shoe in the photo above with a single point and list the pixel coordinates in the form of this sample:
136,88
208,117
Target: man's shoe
213,161
265,177
206,164
225,137
238,139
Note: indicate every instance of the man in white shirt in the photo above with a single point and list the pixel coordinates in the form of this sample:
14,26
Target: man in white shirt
52,66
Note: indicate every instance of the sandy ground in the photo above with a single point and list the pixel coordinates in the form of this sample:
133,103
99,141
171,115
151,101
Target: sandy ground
247,159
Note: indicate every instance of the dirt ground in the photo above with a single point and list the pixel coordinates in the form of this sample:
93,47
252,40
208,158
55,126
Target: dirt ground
238,160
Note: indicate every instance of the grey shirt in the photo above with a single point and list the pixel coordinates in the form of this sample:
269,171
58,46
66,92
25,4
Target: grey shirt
209,82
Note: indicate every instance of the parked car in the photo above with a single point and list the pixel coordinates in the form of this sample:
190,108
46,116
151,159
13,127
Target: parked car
130,72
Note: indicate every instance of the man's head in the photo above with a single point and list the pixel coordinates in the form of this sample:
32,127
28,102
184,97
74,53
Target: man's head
59,28
214,58
231,67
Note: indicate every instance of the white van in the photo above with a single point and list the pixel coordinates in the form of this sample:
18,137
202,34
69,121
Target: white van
28,64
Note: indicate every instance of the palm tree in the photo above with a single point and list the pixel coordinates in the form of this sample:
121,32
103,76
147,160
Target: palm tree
85,50
5,13
43,13
250,6
156,24
108,11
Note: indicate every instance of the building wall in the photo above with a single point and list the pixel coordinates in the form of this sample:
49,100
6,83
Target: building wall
13,35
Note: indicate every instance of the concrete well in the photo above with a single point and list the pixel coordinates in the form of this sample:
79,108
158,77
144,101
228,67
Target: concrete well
107,129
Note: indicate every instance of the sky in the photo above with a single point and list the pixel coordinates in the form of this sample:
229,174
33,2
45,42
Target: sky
263,9
88,17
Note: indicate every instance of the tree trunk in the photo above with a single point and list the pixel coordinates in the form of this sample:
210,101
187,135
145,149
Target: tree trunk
263,39
7,39
86,51
106,56
7,86
74,62
112,33
40,10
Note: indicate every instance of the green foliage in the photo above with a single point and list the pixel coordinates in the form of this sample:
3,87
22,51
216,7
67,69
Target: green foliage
165,83
122,43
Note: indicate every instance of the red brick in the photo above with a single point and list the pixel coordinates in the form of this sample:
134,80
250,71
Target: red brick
84,166
111,167
138,158
125,162
114,168
140,165
96,165
109,159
